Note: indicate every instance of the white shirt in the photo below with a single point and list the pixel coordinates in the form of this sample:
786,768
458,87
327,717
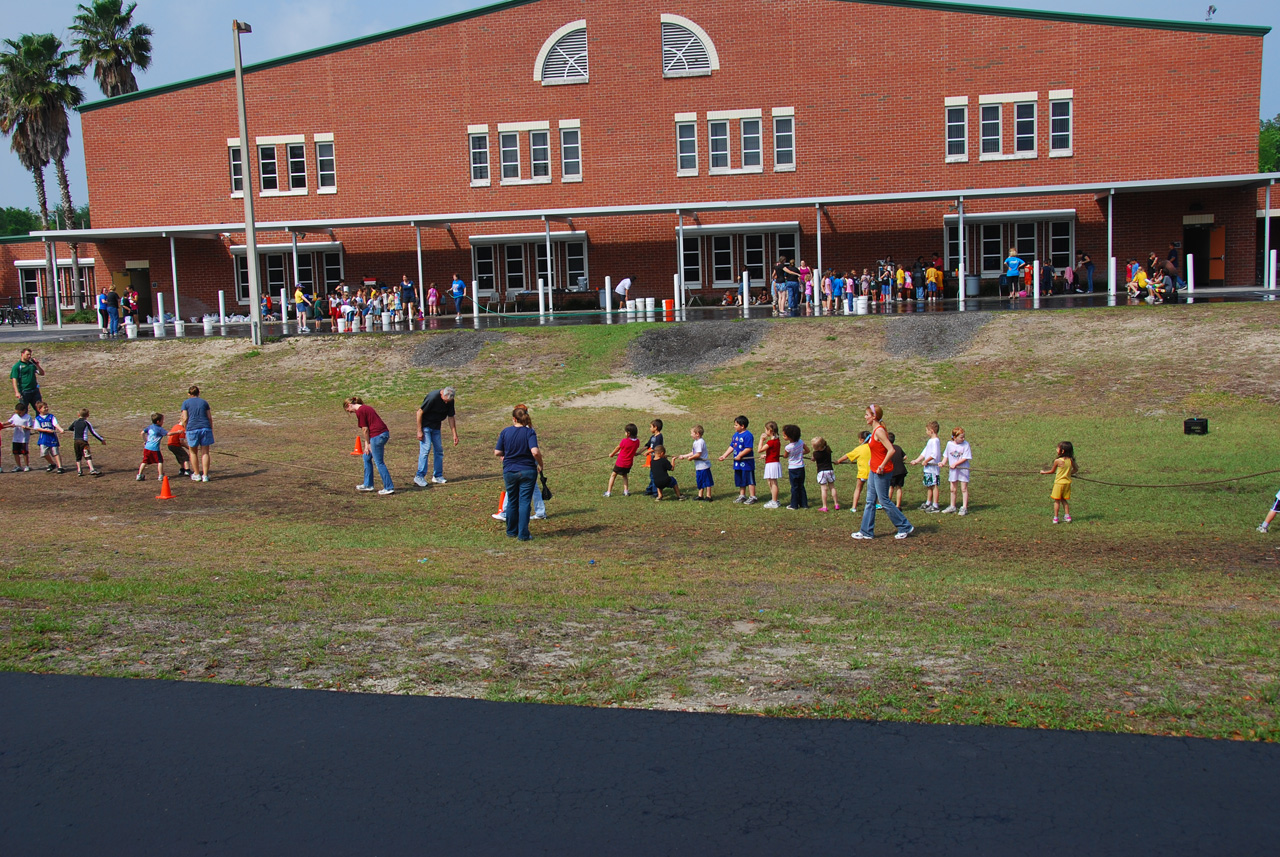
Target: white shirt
932,450
623,287
700,461
795,455
958,452
21,427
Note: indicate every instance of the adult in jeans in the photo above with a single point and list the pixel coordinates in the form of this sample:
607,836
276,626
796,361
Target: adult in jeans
198,419
375,434
23,375
436,408
539,505
878,483
113,312
517,446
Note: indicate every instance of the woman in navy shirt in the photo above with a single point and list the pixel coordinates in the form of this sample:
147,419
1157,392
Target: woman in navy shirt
517,446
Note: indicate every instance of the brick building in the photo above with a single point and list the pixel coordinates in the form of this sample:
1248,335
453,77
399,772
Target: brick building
701,138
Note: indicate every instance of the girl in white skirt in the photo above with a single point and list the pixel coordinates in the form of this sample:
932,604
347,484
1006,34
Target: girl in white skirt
771,448
826,472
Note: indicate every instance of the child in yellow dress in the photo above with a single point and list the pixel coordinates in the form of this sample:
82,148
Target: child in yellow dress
1063,468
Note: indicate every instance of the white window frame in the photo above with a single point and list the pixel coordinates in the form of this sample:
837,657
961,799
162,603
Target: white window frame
491,262
781,116
295,155
793,238
525,130
960,104
503,149
1070,237
570,273
235,166
1019,136
745,138
761,274
713,58
274,143
514,253
694,241
712,139
983,238
983,122
540,154
474,133
262,171
1059,97
550,44
1021,240
321,173
716,118
570,142
1000,100
716,282
685,121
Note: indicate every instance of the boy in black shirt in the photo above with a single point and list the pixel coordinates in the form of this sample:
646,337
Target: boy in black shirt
660,473
80,430
654,441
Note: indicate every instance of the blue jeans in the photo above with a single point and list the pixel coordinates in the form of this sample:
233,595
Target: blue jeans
113,320
878,492
799,495
430,440
793,297
372,456
520,485
919,293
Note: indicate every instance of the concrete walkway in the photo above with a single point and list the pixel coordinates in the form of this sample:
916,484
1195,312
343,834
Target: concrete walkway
113,766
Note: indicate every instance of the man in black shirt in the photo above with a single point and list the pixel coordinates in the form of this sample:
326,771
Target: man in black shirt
436,408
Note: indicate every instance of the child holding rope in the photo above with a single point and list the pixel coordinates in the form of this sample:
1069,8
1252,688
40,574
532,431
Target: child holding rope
826,471
152,435
1063,468
626,455
1271,516
958,455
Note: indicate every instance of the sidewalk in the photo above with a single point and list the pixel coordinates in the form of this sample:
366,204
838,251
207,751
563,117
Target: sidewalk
114,766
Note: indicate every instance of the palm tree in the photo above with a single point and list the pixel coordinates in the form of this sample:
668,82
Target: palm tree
36,91
14,124
109,44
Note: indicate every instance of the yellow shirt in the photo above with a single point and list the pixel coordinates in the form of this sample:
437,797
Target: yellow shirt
1062,476
861,456
298,297
902,276
1141,279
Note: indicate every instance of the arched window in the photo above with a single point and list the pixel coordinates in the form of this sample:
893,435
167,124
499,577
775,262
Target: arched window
563,58
687,50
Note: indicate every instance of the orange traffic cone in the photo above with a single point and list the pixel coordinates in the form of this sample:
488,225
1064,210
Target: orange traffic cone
357,450
165,493
502,502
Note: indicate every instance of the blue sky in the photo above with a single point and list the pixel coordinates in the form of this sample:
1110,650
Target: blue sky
194,38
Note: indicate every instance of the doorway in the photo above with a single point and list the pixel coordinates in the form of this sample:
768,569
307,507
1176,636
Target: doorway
140,282
1195,241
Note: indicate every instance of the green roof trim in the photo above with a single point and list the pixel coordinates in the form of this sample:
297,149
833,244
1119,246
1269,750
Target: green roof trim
324,50
927,5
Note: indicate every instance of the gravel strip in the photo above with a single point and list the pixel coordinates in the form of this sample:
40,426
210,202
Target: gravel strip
452,350
936,336
692,347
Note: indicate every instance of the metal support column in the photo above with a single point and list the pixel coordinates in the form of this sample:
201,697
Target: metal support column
680,253
422,287
1268,275
551,277
961,251
1111,252
816,285
173,267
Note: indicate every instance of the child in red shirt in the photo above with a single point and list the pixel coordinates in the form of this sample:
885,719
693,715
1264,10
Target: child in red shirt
626,451
771,448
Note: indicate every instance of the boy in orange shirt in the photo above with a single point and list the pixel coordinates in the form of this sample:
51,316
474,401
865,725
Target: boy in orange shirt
177,443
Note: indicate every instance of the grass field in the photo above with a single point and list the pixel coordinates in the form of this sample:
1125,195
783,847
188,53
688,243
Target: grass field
1157,611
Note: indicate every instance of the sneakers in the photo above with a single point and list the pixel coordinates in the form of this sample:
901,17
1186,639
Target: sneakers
948,510
1262,528
860,535
79,473
772,504
204,478
385,491
793,508
740,499
60,470
364,487
304,330
420,482
626,493
27,469
1055,519
195,477
750,500
498,516
1067,519
49,469
140,478
439,480
823,509
909,531
95,472
962,511
607,494
924,507
932,509
537,518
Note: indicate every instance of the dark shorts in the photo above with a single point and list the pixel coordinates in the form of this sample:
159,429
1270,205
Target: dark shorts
31,397
180,454
897,481
622,471
743,478
82,449
703,478
1275,507
151,456
18,448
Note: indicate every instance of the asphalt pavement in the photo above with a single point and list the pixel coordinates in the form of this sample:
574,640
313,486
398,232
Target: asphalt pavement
115,766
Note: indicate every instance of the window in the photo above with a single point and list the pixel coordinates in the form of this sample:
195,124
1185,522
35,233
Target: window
789,245
753,257
297,154
304,275
1024,239
480,159
540,153
540,262
1060,250
237,170
482,267
722,259
510,144
991,129
958,134
687,149
1060,128
274,274
514,254
719,135
267,168
563,58
570,154
691,260
1024,127
326,167
30,285
332,270
751,144
575,261
687,50
784,143
242,279
992,248
953,247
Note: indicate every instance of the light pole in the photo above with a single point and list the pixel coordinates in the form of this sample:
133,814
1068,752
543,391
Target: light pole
246,172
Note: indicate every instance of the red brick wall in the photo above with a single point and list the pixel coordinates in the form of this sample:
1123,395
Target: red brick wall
867,83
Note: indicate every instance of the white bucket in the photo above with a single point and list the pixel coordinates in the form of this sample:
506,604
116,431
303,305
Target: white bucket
342,324
631,306
386,321
131,331
208,327
157,328
354,324
648,305
179,328
864,305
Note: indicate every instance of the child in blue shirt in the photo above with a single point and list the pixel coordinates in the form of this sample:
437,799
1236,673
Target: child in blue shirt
742,448
152,435
47,430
